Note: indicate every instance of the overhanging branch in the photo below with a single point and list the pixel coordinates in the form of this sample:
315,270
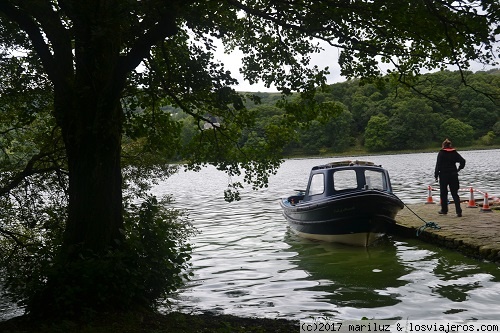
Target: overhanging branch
28,170
27,24
164,28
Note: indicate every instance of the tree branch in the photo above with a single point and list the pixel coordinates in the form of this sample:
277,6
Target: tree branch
29,26
28,170
12,235
164,28
56,33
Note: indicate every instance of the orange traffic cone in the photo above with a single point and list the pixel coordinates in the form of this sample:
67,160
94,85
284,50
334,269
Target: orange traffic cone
429,196
472,202
486,204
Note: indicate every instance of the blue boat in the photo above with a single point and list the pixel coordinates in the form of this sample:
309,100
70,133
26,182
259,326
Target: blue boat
348,202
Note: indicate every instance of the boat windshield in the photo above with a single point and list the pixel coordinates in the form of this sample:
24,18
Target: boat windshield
368,179
345,180
317,184
374,180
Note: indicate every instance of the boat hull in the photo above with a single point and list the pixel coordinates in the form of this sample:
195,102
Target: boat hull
357,218
355,239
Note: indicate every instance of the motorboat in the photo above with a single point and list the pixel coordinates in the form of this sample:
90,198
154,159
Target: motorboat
348,202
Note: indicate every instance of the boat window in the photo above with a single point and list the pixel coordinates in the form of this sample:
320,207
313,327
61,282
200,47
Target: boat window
345,180
317,184
374,180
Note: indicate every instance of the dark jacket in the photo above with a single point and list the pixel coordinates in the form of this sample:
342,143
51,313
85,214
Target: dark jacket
447,160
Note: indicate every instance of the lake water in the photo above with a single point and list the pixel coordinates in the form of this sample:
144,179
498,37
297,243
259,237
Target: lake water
247,262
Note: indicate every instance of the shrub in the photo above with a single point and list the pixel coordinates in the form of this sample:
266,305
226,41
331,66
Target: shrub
488,139
151,262
157,251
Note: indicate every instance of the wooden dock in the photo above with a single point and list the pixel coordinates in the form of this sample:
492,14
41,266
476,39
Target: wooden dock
475,234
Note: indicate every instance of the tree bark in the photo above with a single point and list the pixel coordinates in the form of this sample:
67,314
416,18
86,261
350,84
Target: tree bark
93,145
90,115
87,60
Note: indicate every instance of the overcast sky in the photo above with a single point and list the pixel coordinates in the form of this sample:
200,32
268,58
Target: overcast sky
328,58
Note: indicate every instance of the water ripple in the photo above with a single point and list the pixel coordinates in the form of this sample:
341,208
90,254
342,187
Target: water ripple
246,261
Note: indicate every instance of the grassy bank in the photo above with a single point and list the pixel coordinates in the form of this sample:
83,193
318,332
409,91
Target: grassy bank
142,322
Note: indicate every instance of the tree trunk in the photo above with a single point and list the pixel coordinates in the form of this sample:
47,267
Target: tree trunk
92,127
87,62
90,115
92,137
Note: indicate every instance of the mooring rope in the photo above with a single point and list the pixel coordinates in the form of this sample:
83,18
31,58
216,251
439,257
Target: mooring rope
431,224
427,224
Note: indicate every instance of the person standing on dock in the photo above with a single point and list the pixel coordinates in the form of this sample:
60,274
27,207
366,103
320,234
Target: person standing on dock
447,172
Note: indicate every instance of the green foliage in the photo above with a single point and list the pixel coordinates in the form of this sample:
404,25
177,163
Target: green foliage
413,124
377,133
156,253
488,139
31,233
339,131
393,118
331,130
313,138
458,132
76,107
403,118
496,128
152,263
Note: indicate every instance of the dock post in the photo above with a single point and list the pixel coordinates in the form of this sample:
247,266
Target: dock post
486,204
429,196
472,202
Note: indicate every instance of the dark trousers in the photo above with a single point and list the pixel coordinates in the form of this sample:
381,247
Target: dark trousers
450,180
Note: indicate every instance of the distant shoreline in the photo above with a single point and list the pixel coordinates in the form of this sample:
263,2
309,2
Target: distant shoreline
363,152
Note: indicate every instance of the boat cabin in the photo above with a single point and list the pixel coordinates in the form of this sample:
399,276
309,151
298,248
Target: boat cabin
348,202
343,177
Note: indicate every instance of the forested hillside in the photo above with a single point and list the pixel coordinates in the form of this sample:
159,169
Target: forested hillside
396,117
438,106
391,116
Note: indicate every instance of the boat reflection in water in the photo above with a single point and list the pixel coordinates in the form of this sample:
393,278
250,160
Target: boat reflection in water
348,202
351,276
